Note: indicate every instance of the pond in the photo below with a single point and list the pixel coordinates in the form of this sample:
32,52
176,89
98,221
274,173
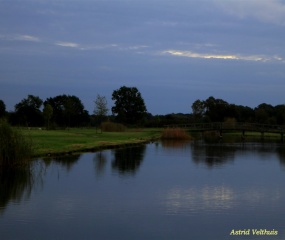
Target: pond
163,190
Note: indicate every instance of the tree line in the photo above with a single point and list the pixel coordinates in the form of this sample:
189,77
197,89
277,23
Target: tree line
218,110
129,109
64,111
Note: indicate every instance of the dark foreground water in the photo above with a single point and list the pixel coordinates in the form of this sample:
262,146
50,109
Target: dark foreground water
169,190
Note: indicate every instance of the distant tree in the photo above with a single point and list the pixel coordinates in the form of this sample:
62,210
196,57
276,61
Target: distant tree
2,109
198,110
244,113
100,110
47,113
28,111
264,113
214,110
261,116
280,114
129,105
68,111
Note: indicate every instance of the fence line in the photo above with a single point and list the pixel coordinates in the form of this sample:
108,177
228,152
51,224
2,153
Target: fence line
238,126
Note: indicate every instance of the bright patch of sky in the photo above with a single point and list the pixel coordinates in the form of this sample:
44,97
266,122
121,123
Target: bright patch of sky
173,51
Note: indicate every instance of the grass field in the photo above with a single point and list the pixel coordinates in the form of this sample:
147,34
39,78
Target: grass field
53,142
56,142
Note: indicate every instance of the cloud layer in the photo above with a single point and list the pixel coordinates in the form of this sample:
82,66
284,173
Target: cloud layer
191,54
270,11
191,49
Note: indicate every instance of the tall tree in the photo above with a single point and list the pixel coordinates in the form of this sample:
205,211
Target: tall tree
68,111
280,114
2,109
47,113
100,110
198,110
214,110
129,105
28,111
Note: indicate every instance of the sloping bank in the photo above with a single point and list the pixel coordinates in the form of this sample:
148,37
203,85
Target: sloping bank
66,142
100,147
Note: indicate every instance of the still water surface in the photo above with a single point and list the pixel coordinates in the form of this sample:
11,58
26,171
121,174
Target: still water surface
163,190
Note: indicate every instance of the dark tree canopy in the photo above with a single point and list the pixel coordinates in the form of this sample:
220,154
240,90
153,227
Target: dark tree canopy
264,113
198,109
2,109
212,109
27,112
217,110
129,105
280,114
47,114
68,111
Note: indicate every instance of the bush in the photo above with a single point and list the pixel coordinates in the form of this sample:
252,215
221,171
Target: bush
175,133
15,149
112,127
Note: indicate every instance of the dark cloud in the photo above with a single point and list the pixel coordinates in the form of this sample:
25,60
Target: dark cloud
174,51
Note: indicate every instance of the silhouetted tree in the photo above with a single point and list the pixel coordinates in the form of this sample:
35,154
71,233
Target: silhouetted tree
28,111
47,113
264,113
279,111
100,110
68,111
2,109
212,109
129,105
198,110
216,109
244,113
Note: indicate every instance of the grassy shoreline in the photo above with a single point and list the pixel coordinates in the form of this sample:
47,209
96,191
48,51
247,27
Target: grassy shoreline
62,142
78,140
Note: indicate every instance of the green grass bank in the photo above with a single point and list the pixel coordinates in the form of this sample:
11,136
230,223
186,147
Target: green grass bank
58,142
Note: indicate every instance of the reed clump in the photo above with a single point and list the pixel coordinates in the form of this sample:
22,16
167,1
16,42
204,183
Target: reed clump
112,127
175,134
15,148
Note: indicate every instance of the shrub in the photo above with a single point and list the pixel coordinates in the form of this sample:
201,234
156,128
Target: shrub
175,133
15,149
112,127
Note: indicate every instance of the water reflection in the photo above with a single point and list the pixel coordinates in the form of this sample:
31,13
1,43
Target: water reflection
128,160
193,200
99,161
281,154
175,143
67,161
218,198
212,155
170,198
221,152
15,185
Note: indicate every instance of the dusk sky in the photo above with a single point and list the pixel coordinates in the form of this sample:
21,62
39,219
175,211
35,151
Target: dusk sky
173,51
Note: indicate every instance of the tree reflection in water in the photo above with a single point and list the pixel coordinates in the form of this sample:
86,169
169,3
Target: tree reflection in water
15,185
217,151
99,162
128,160
281,154
212,155
175,143
67,161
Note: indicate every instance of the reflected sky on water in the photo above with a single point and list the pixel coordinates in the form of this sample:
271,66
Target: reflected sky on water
163,190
